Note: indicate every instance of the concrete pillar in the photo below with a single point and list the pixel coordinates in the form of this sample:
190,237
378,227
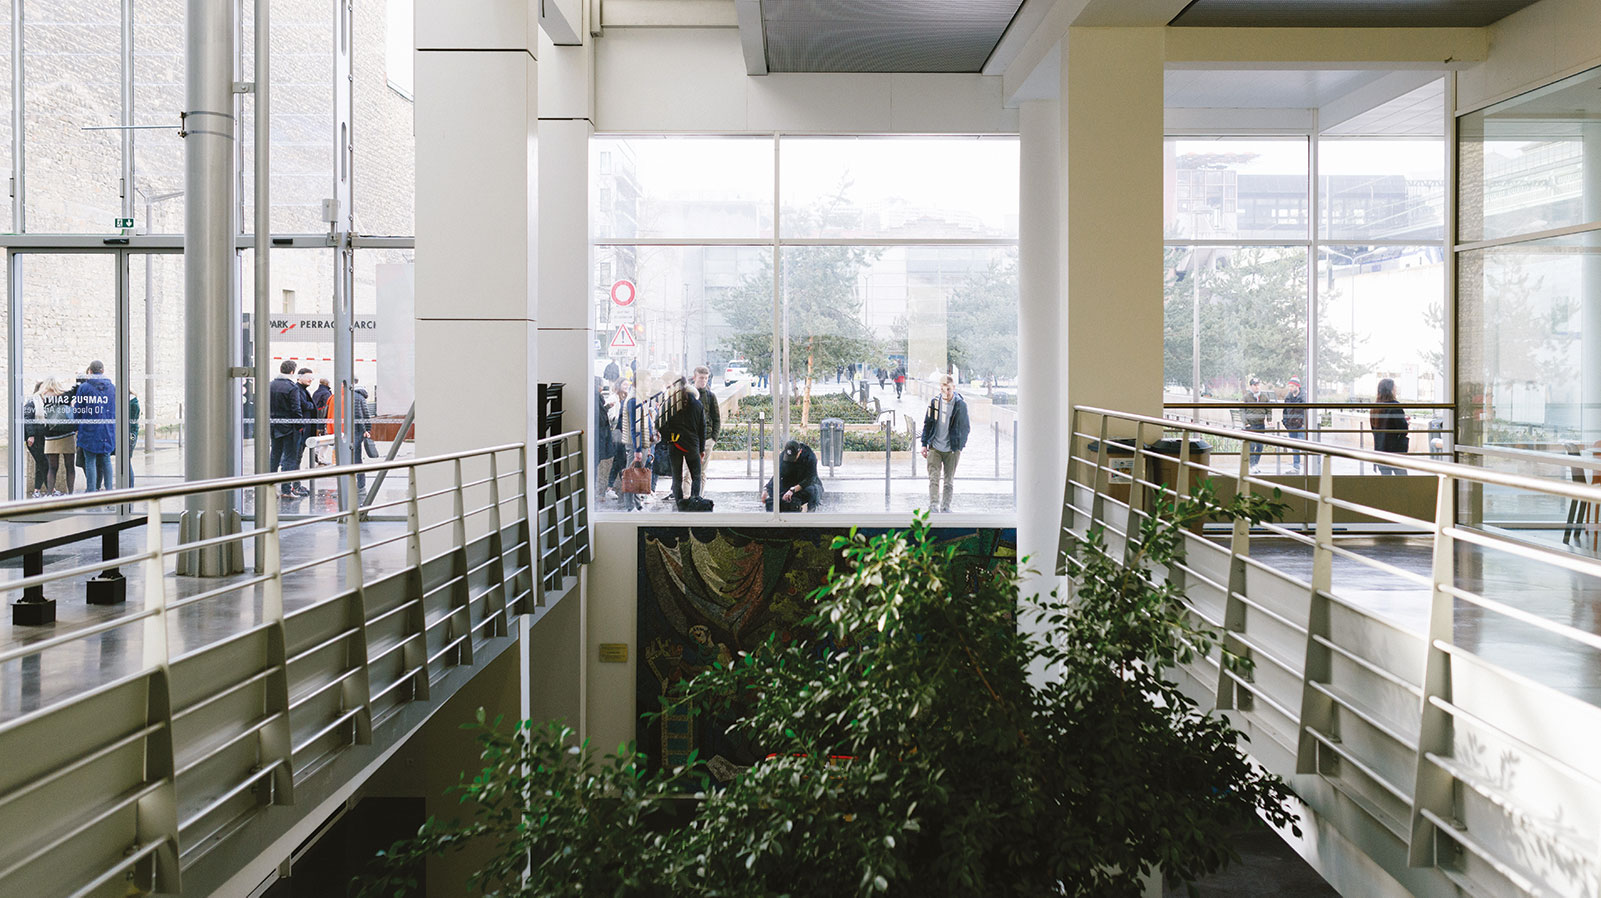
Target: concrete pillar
1590,291
1112,140
477,101
1042,422
210,431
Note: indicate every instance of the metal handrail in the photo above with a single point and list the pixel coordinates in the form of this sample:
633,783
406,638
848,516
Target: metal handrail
1392,459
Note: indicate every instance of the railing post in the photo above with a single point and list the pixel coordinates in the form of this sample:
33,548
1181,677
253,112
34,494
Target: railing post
415,653
538,513
586,544
1136,495
1433,787
1014,461
1181,478
357,690
1098,490
889,438
496,598
158,813
527,536
276,745
1234,609
461,613
1317,712
995,428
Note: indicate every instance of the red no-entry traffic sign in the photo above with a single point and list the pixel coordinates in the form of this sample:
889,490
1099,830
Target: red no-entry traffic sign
623,293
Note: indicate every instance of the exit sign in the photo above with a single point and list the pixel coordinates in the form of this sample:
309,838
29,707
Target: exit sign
124,222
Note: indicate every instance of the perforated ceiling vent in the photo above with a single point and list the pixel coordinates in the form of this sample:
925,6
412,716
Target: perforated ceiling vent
883,35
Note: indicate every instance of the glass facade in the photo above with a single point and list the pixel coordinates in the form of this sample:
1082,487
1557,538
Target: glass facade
889,275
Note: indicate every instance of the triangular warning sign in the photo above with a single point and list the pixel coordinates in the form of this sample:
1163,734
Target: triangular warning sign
623,338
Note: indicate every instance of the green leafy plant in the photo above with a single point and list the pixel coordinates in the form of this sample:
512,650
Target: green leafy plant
912,754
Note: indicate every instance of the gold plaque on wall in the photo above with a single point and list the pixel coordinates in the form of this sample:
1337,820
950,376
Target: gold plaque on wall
613,652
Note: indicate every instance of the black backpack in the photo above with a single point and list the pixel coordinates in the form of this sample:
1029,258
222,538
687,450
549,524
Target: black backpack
694,503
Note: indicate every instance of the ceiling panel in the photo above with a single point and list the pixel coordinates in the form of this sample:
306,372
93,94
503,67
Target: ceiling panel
1347,13
882,35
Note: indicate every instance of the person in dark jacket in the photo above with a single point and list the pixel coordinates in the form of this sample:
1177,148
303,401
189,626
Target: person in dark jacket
1294,420
33,434
1389,424
683,431
60,435
801,488
96,413
288,407
605,445
714,414
319,400
945,429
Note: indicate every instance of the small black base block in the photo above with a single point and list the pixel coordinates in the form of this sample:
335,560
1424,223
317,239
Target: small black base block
33,614
107,589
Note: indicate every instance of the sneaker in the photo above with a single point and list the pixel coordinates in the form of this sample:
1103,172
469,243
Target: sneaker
1256,469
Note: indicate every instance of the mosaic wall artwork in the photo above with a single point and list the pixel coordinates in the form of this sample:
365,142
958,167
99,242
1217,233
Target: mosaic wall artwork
707,594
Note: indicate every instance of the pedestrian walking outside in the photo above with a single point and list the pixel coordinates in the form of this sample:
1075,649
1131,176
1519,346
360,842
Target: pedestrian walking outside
945,429
682,426
1255,418
900,381
33,435
1390,425
714,414
60,436
95,409
288,407
1294,419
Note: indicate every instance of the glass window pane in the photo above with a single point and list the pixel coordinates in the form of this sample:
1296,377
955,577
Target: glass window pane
6,224
158,97
385,358
718,187
1251,312
915,313
302,117
72,81
1381,313
885,187
659,313
1232,188
385,175
1527,164
301,293
157,318
1381,189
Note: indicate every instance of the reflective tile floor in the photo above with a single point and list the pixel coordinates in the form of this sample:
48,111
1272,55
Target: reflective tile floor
34,681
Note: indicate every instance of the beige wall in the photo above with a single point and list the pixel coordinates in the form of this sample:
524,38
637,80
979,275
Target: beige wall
1540,44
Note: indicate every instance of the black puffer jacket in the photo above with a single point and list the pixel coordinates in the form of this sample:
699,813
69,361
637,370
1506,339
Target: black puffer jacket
683,421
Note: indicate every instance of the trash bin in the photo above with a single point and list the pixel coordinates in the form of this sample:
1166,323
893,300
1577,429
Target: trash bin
832,442
1167,471
1119,458
861,393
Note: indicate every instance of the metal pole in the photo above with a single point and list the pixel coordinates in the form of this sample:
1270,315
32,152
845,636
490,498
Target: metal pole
761,449
262,269
208,241
18,382
888,434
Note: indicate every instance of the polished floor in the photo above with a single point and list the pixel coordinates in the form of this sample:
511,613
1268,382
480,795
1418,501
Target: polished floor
47,677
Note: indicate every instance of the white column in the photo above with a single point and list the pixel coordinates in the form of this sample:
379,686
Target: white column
1042,410
1112,139
477,102
1590,291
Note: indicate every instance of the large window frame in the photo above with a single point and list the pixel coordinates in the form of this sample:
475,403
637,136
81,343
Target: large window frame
783,364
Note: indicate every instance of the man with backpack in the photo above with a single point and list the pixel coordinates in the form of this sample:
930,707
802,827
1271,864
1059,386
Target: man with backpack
95,410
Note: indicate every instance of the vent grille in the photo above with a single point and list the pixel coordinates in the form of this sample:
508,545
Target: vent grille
883,35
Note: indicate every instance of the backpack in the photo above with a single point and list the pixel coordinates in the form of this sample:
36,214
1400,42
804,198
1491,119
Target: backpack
694,503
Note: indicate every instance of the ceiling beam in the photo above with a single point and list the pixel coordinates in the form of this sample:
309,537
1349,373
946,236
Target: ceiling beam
1371,96
751,36
1327,48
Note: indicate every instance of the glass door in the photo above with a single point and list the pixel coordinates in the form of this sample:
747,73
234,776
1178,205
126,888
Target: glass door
154,398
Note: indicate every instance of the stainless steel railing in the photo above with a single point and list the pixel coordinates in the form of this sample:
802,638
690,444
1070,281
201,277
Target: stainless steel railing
1430,697
140,738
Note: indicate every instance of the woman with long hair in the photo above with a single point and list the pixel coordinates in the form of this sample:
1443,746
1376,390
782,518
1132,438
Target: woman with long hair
60,435
683,431
1389,425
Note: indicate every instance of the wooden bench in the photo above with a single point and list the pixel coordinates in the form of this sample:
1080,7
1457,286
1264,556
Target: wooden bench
29,541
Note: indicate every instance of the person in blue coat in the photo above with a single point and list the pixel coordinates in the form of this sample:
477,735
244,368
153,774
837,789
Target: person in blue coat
95,408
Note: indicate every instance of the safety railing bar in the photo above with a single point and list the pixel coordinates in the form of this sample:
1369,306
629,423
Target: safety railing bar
309,607
116,805
489,619
86,695
174,604
1580,636
1367,665
1349,704
251,680
337,638
446,648
480,510
545,441
445,585
376,506
196,487
169,551
314,519
1423,527
449,520
234,791
133,856
1578,564
1460,836
1554,459
69,573
1266,568
430,495
1292,535
1363,407
1527,746
481,565
472,483
368,547
1192,572
1384,566
1257,649
384,615
307,565
213,751
1489,793
311,695
1257,692
1283,621
104,751
1459,472
397,645
1351,758
406,676
44,645
335,724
